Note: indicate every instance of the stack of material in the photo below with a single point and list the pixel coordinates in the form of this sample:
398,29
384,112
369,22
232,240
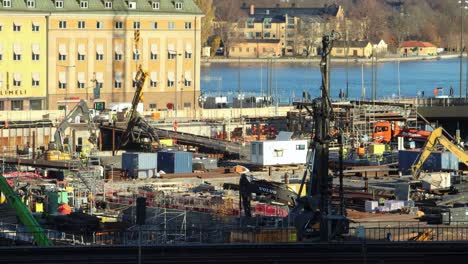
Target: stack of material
394,205
371,206
436,180
383,209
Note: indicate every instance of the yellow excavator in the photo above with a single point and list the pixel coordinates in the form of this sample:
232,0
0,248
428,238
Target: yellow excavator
437,137
58,149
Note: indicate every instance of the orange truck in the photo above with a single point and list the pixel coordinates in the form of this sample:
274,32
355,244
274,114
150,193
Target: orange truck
385,132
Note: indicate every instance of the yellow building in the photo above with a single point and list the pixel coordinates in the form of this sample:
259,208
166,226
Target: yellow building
256,48
100,43
291,26
23,57
352,48
418,48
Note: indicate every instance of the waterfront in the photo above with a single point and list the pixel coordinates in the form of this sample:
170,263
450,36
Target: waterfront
293,78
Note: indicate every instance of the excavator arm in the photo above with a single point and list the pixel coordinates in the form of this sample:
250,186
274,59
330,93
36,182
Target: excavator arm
435,138
273,191
80,109
24,215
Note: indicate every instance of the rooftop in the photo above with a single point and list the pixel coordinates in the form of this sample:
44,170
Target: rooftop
353,43
261,12
414,43
102,6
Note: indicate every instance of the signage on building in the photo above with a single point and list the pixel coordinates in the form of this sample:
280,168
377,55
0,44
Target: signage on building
13,92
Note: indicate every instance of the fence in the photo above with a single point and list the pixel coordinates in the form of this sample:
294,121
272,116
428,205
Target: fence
148,235
410,231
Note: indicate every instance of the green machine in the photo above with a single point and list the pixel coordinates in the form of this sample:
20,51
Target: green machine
23,213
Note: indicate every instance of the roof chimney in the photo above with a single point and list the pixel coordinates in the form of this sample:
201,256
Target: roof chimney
293,4
252,10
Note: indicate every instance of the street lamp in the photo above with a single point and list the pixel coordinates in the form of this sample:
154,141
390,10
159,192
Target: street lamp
241,98
66,84
463,6
201,102
176,102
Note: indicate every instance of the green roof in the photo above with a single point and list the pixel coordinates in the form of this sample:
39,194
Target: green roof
98,7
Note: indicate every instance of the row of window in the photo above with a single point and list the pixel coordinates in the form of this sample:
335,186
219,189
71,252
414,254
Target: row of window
99,56
240,49
17,27
34,104
99,25
84,4
117,56
118,84
120,25
62,84
250,35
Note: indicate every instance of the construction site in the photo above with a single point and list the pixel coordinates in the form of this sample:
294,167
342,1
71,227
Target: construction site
325,171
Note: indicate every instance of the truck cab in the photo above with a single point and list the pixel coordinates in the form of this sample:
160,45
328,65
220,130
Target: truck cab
383,132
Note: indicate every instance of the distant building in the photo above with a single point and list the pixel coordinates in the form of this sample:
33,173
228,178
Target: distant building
256,48
290,26
354,49
381,47
417,48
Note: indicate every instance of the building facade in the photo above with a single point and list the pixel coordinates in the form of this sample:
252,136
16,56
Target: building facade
362,49
252,48
296,29
417,48
93,49
23,60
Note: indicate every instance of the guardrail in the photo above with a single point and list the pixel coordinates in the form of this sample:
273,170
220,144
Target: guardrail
449,101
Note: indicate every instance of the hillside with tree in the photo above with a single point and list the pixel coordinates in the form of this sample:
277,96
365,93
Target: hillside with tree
436,21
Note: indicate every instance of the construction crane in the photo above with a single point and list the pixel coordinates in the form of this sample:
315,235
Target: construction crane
138,131
436,137
24,215
59,150
314,215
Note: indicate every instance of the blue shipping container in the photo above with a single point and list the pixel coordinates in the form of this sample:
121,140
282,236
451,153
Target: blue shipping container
175,162
139,161
437,161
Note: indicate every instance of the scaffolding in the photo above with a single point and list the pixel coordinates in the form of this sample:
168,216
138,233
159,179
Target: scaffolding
163,226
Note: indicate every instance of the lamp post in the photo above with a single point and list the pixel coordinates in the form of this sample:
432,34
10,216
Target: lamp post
201,102
66,84
241,97
176,102
463,5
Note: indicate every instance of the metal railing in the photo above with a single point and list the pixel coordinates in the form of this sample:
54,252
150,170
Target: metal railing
150,235
449,101
410,231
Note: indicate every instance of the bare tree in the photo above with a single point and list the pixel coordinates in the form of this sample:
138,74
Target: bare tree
309,36
230,21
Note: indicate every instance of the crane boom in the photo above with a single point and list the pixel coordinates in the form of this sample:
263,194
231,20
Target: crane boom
137,124
435,138
24,214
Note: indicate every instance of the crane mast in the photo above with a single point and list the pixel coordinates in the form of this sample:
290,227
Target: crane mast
314,215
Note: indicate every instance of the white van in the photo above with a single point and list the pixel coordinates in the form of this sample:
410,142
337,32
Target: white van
115,108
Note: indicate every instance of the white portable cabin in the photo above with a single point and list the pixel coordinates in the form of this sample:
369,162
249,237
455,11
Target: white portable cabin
278,152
